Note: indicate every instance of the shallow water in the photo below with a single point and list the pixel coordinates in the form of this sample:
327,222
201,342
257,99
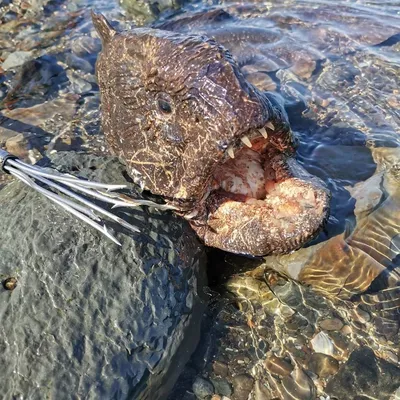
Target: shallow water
338,68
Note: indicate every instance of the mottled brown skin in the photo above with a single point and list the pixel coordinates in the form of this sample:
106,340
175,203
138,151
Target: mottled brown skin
172,105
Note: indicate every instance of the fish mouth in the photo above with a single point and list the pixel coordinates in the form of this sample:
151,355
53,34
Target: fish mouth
261,201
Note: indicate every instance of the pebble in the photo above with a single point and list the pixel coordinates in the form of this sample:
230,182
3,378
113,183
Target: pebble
222,387
304,68
346,330
333,324
202,388
362,316
278,366
220,369
18,146
16,59
323,365
242,386
261,81
322,343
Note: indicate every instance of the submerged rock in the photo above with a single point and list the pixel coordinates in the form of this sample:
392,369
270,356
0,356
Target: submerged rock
16,59
145,11
365,376
37,81
88,318
203,388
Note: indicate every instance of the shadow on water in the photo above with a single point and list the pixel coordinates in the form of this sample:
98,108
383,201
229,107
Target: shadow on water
341,158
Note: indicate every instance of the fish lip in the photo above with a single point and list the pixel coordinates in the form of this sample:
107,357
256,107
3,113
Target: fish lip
298,227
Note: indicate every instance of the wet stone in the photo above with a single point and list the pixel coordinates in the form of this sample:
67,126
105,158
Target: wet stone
389,356
220,369
118,319
304,68
242,386
322,343
361,316
323,365
145,11
261,81
222,387
346,330
18,146
16,59
296,322
203,388
365,374
37,80
333,324
278,366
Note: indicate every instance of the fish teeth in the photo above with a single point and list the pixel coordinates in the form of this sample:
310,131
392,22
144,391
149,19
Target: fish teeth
246,141
270,125
231,152
263,133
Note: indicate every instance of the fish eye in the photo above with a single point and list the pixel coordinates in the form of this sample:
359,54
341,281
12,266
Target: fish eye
164,106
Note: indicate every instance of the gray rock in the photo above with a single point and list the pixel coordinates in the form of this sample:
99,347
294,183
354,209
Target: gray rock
16,59
32,8
37,80
364,375
87,318
222,387
203,388
144,11
332,324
